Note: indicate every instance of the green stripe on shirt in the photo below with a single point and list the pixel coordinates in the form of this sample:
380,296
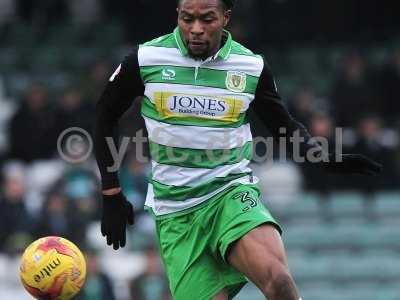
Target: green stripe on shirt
194,158
182,193
185,75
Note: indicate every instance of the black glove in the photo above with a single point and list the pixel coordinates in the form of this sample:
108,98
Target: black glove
117,212
352,164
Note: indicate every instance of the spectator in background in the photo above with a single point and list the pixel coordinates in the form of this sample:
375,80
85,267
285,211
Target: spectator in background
352,94
31,130
389,92
14,217
316,179
244,31
72,111
43,13
370,143
303,105
93,85
98,285
84,11
58,217
163,12
80,186
321,126
152,284
8,107
7,11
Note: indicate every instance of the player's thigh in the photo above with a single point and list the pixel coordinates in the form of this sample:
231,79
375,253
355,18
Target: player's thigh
200,280
259,254
192,271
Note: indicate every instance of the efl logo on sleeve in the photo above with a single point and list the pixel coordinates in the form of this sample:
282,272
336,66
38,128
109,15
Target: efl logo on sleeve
115,73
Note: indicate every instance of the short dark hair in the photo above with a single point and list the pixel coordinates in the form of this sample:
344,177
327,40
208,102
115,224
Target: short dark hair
227,4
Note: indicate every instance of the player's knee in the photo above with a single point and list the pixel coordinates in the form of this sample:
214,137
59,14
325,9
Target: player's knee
283,288
277,282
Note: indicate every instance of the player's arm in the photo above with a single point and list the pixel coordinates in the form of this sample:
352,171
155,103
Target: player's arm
124,85
270,109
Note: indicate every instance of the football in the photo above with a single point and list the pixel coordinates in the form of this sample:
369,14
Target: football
53,268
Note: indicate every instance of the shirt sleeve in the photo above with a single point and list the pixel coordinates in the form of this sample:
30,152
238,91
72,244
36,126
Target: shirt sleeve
123,87
269,108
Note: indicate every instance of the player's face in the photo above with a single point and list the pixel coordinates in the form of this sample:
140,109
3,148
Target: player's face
201,23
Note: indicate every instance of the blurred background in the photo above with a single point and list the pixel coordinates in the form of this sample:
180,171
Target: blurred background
337,64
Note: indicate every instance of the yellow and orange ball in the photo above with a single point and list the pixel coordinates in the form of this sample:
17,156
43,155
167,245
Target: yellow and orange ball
53,268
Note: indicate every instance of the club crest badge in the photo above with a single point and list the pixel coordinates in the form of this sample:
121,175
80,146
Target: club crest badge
236,81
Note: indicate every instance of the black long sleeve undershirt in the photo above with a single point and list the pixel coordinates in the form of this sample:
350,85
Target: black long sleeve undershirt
121,90
126,84
269,108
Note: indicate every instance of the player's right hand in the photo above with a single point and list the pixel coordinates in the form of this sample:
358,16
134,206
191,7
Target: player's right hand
117,212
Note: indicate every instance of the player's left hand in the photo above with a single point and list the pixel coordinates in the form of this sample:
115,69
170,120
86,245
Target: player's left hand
117,212
352,164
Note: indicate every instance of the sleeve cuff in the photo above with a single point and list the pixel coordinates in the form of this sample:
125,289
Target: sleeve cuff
110,182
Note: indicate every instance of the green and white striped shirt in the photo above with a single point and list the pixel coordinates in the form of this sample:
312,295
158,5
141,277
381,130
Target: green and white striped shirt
195,114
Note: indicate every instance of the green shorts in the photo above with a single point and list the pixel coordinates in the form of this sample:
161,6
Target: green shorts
193,246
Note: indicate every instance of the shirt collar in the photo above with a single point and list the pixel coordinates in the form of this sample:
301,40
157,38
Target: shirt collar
222,53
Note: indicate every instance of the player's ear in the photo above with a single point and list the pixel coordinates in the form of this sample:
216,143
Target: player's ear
227,16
